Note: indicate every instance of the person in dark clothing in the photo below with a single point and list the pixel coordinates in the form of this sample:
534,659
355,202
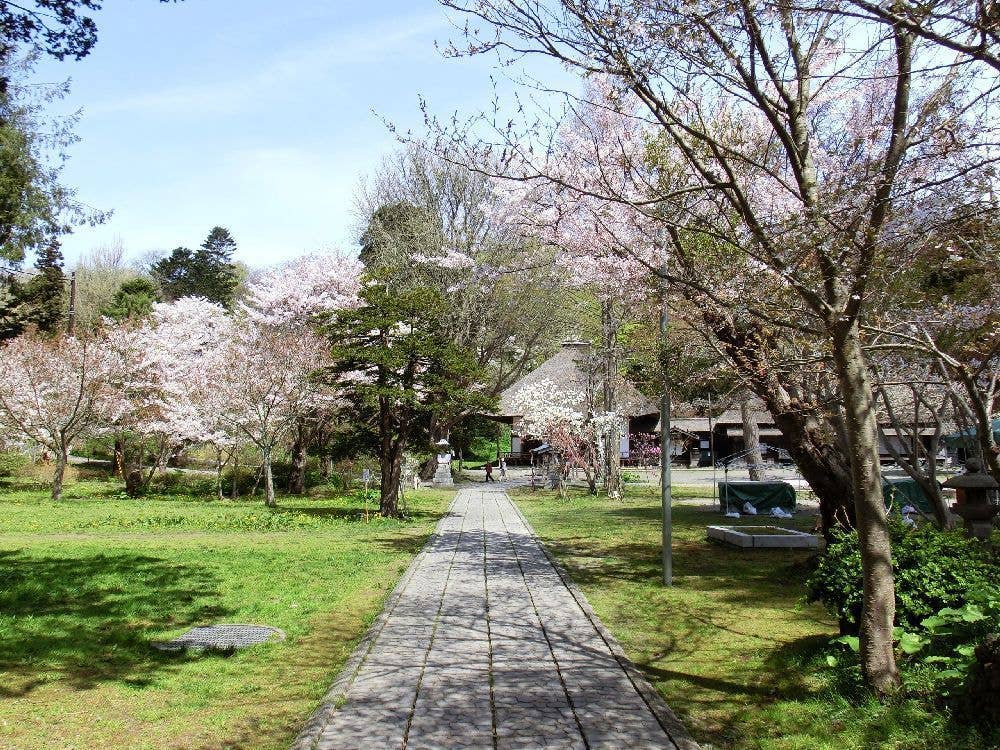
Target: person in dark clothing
489,472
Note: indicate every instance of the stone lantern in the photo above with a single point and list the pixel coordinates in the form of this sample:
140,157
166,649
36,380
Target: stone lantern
442,477
976,493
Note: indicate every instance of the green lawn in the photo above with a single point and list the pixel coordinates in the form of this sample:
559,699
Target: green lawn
87,583
732,646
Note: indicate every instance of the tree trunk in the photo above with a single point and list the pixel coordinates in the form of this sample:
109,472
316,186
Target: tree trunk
878,661
297,476
392,426
438,431
235,494
751,441
62,459
134,480
590,475
428,468
926,480
269,500
130,459
812,440
326,467
984,425
391,469
218,473
119,457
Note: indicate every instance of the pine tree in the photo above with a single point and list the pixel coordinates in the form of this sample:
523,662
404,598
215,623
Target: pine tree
44,296
214,264
207,272
409,369
11,311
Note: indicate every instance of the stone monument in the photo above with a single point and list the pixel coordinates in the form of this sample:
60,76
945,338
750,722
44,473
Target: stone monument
442,477
976,499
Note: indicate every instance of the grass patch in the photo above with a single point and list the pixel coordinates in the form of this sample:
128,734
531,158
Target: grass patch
87,583
732,646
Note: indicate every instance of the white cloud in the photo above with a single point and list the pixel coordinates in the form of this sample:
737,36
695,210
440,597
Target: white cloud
349,47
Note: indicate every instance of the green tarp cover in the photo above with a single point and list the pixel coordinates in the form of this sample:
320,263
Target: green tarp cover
900,491
761,495
968,437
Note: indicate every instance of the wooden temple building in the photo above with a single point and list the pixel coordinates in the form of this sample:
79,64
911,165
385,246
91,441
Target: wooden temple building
696,439
572,368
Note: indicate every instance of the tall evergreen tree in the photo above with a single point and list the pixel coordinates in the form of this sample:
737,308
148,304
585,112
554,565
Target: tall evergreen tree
207,272
11,318
44,296
174,274
214,261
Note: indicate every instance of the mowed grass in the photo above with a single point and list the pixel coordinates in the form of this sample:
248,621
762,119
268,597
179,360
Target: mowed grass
732,646
87,583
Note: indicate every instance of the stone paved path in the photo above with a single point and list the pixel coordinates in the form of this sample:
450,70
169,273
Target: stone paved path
484,645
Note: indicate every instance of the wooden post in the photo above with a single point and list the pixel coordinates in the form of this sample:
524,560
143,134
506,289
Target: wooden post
71,322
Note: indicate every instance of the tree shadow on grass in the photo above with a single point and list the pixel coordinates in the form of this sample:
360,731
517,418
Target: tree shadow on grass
782,677
273,717
88,620
349,513
95,490
698,564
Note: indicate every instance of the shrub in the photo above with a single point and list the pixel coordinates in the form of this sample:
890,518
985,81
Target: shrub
982,703
934,570
12,463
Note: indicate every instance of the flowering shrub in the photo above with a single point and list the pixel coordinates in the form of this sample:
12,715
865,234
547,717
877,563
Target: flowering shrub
552,412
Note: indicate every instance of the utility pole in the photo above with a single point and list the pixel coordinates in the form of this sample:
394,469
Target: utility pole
71,323
665,446
711,448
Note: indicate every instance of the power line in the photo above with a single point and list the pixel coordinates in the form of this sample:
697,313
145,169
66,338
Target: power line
27,274
33,274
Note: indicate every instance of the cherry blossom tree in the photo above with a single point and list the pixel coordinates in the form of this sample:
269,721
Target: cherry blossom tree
53,392
601,149
809,158
162,387
946,327
602,247
298,296
304,289
969,29
266,377
185,345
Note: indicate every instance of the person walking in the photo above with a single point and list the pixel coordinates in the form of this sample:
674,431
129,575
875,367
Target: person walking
489,472
503,467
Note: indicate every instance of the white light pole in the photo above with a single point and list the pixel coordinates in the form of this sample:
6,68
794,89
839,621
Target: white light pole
665,446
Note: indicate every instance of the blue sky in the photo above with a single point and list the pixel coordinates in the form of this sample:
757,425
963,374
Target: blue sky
251,114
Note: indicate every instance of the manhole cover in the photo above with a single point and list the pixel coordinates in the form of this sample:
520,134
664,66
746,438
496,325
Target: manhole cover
222,637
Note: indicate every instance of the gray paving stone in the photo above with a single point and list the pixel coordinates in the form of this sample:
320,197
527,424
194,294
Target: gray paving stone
486,647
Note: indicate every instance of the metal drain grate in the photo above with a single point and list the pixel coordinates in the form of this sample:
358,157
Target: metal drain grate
224,637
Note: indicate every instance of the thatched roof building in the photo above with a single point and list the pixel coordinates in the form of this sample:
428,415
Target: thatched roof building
568,368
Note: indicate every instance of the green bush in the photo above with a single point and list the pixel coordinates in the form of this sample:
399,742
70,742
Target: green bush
12,462
96,448
934,570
